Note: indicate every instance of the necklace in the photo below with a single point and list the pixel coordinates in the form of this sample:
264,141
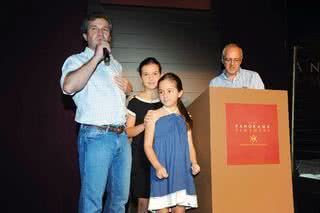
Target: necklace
171,111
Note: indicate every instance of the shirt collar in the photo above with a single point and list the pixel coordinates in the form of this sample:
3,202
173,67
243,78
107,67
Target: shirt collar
88,52
226,77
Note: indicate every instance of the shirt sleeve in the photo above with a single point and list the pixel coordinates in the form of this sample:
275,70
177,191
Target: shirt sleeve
214,82
211,84
131,108
69,65
257,82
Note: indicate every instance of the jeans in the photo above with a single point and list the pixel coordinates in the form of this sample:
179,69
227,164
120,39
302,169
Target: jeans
105,166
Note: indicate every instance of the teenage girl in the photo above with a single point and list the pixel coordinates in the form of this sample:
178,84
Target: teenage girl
149,71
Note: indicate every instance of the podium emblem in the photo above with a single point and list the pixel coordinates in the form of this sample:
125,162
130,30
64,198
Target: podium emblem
252,134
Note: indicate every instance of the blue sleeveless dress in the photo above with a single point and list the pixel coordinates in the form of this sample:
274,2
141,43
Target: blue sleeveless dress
172,150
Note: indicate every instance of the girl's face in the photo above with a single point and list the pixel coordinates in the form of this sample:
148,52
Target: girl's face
169,93
150,75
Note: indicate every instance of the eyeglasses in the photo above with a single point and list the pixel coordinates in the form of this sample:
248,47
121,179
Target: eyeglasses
230,60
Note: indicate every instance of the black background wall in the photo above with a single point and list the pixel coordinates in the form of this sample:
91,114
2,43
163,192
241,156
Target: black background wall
260,28
305,35
38,153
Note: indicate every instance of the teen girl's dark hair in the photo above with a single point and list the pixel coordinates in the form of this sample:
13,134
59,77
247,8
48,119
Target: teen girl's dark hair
184,112
146,61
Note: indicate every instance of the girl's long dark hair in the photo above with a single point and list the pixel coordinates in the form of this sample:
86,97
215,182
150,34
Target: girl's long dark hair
184,112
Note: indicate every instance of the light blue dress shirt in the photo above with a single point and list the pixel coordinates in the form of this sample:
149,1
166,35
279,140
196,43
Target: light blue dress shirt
101,101
244,79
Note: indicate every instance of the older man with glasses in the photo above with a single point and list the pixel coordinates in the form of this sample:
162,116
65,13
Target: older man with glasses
233,76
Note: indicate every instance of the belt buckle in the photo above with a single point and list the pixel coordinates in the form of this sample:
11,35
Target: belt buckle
117,129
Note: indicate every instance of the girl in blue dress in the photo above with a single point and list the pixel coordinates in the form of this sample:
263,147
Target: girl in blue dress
168,146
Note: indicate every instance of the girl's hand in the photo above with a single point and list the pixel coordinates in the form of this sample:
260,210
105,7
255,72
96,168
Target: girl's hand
195,168
161,173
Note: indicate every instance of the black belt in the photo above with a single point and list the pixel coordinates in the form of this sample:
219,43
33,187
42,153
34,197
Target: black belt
110,128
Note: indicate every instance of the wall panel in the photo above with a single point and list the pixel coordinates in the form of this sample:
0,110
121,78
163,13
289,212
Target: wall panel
186,42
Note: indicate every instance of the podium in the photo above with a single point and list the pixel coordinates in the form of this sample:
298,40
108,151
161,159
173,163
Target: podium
242,142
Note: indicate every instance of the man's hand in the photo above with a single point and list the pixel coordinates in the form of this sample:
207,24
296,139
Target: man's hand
124,84
102,44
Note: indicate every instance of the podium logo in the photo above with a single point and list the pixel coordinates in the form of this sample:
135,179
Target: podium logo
252,134
252,131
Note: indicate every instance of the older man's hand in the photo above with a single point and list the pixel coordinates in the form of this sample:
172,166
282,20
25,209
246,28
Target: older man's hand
124,84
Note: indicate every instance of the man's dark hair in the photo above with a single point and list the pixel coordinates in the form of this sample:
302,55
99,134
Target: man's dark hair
92,17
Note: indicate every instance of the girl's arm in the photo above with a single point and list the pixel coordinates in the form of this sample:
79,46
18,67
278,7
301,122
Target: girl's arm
193,156
148,143
131,129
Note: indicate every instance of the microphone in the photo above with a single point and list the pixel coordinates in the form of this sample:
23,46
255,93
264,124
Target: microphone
106,56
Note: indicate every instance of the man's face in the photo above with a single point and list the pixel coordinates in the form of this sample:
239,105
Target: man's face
98,31
232,60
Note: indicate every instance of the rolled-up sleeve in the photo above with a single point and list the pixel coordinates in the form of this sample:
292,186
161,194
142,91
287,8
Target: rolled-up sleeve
69,65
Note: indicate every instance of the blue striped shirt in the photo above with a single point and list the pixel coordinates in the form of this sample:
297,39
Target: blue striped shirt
244,79
101,101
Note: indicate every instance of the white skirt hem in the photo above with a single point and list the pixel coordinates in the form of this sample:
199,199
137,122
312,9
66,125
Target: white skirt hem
179,198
